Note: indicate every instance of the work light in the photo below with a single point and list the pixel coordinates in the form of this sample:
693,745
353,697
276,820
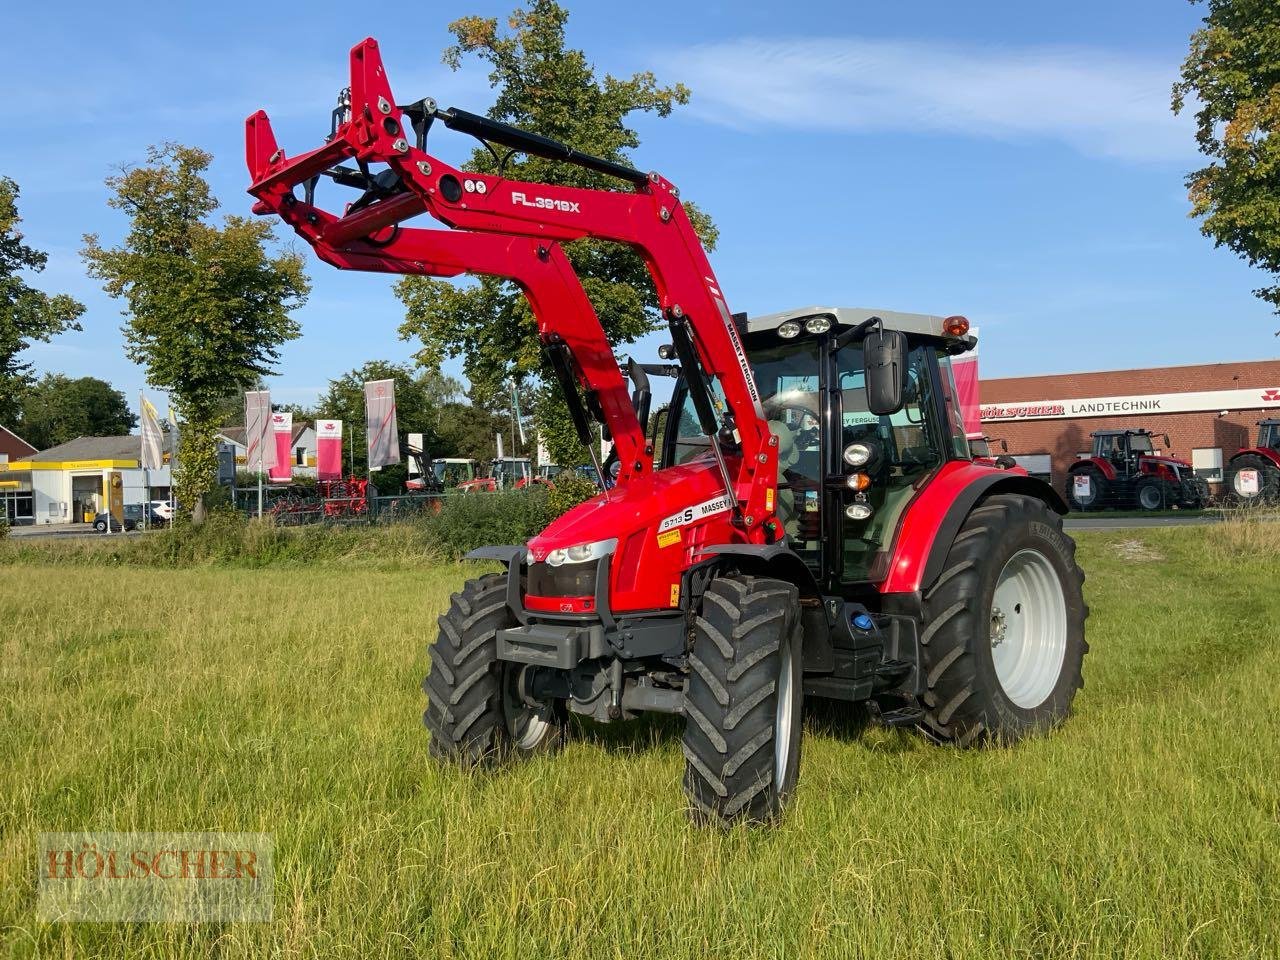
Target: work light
818,324
789,330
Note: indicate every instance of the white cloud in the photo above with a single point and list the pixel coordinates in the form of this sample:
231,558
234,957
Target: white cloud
1099,102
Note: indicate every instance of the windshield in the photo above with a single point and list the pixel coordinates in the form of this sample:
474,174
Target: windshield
1140,443
451,474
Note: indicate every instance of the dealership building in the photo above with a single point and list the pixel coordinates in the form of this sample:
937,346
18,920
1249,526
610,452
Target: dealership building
1209,412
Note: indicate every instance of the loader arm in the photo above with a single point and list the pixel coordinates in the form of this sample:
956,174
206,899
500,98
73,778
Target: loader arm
510,228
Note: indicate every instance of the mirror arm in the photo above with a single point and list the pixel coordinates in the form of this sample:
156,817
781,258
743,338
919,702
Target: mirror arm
853,333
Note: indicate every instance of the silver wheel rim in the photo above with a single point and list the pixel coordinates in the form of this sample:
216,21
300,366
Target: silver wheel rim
782,721
525,725
1149,497
1028,628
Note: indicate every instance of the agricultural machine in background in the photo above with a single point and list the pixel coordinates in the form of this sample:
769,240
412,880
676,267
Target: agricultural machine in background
1253,474
816,525
1124,472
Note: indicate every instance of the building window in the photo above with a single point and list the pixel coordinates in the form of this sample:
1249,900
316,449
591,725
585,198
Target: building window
1087,455
1207,463
300,456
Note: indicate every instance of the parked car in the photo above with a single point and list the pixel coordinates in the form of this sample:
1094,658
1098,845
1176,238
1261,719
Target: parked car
101,520
163,509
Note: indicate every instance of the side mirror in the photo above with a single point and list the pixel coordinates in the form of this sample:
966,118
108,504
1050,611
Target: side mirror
1004,445
885,352
1166,440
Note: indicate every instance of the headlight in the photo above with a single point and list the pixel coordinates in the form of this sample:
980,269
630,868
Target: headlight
857,454
789,329
582,552
858,511
818,324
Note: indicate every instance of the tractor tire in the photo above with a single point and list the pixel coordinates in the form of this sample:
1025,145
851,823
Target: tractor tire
1153,494
475,712
743,701
1100,494
1010,553
1268,481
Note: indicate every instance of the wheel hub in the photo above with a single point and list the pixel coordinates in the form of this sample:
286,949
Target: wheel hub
1028,628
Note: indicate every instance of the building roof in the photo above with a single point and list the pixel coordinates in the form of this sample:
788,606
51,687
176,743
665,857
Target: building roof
13,445
236,434
95,448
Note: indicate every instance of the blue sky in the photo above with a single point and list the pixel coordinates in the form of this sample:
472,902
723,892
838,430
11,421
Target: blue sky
1015,162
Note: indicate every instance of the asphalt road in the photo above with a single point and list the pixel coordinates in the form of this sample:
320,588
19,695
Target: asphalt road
1103,522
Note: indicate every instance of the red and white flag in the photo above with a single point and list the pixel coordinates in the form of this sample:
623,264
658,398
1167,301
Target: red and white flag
328,449
381,429
259,443
282,427
965,369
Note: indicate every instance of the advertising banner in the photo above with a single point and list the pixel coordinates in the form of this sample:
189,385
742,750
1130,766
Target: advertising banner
259,444
381,430
328,449
965,369
282,427
152,437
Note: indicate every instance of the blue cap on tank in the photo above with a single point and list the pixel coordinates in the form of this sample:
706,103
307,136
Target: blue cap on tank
863,622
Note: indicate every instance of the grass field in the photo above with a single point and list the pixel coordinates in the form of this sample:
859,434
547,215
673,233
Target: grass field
286,701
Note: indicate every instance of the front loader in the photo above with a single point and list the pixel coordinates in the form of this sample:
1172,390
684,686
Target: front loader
814,527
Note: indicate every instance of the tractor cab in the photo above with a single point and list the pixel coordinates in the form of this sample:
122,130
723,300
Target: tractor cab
1269,434
1123,449
846,473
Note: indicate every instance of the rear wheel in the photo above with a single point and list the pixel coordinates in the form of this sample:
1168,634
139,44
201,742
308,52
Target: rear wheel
1090,495
743,702
1003,640
481,709
1253,480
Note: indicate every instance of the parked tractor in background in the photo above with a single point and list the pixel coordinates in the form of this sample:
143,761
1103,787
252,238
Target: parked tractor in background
982,449
504,473
815,526
1124,472
1252,476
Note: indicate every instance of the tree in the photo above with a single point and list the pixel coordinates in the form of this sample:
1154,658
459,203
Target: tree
1233,71
548,89
467,430
26,314
207,305
58,409
422,397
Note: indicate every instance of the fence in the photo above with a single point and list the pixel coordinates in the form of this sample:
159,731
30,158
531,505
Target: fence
291,508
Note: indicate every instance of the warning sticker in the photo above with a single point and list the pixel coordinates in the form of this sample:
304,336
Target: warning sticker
668,538
768,499
689,514
675,595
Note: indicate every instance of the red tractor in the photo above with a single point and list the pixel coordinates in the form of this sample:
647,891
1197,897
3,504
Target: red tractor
1253,475
1126,473
816,526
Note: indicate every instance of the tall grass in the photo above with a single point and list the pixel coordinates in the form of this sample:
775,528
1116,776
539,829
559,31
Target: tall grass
287,701
1245,533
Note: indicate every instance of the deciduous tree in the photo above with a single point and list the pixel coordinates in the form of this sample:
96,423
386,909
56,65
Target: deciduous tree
58,409
26,314
208,305
1233,75
550,89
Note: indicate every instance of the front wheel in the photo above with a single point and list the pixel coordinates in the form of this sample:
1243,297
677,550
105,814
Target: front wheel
1003,644
481,709
743,701
1152,494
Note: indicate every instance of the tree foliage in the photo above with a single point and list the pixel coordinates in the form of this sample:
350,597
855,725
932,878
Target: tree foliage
544,87
26,314
1233,73
208,306
58,409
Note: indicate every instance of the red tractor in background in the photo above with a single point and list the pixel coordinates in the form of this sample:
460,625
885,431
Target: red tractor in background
1252,476
1125,473
815,525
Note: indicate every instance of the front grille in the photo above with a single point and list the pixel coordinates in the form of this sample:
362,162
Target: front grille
566,580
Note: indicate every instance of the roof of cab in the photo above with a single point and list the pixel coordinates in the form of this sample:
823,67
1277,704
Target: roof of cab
923,324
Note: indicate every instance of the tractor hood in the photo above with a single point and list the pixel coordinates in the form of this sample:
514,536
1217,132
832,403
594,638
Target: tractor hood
644,503
1171,461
